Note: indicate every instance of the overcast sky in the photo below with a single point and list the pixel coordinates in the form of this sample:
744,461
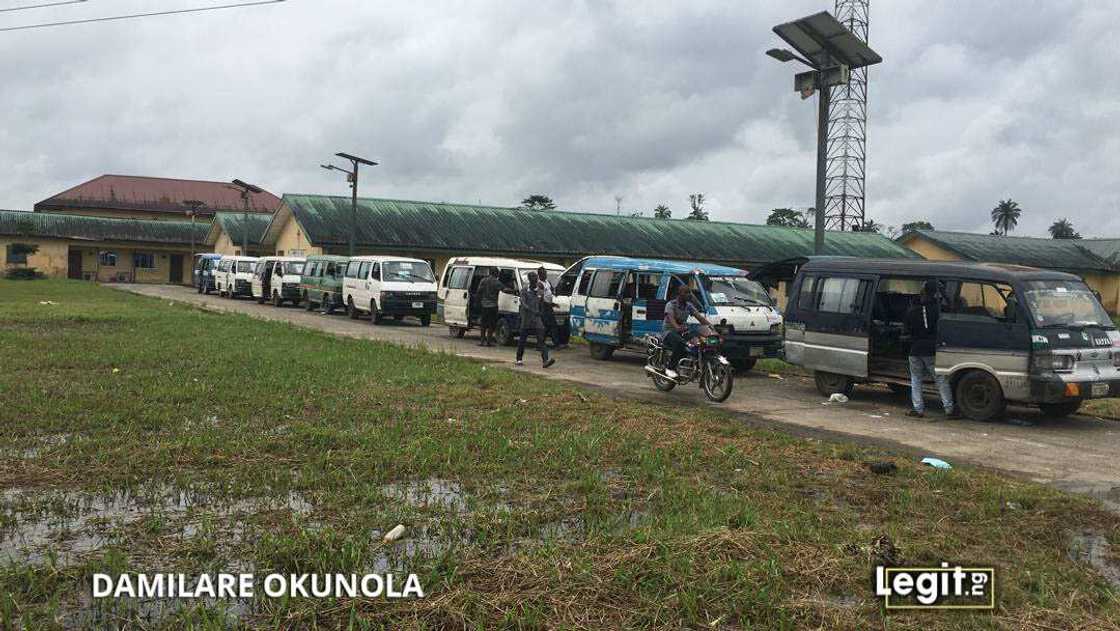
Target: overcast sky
480,102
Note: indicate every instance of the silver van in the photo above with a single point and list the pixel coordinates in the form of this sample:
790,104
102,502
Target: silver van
1007,333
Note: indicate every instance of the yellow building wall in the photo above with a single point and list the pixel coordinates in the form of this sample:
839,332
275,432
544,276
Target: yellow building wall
930,250
50,259
228,247
292,242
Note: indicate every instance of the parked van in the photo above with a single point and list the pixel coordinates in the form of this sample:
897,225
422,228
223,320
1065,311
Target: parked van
389,286
321,283
461,277
234,276
1006,333
203,275
616,302
277,278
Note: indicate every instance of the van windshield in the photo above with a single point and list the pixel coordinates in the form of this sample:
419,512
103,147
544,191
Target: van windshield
407,272
1061,303
246,266
293,267
735,290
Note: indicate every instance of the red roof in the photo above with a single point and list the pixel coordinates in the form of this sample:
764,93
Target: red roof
157,194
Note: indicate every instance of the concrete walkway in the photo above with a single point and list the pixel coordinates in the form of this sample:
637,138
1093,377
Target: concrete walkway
1077,454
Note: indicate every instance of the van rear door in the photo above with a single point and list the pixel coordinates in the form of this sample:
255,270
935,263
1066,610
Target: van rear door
602,307
830,330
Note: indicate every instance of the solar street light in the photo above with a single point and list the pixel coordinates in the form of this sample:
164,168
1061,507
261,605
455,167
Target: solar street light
352,178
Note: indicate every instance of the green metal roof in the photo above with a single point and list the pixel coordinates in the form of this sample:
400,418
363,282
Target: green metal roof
1060,254
85,228
234,224
1107,249
453,228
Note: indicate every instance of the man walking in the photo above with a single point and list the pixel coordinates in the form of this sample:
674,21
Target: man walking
487,297
921,324
548,316
531,321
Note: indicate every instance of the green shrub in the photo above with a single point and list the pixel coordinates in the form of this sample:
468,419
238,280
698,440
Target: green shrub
23,273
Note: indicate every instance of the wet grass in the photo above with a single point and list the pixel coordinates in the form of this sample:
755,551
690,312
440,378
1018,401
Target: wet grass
140,435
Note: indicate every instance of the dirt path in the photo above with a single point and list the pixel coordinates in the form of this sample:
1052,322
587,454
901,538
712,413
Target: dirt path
1077,454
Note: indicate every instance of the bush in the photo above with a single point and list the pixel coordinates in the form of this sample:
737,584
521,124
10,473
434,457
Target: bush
23,273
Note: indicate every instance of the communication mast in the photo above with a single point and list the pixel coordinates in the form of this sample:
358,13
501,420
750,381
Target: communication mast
847,133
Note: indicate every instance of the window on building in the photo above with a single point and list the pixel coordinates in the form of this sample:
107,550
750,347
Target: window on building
17,253
143,260
107,258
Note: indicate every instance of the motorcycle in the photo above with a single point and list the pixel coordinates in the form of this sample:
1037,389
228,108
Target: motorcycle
703,362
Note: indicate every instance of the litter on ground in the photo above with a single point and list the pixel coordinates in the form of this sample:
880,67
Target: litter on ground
936,463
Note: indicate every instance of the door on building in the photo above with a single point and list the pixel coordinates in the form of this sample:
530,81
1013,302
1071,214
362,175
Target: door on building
176,269
74,265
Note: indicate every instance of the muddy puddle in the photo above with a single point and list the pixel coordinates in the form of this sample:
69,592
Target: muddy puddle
1093,548
37,524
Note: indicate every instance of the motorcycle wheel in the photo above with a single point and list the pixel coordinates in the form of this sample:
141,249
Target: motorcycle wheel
717,381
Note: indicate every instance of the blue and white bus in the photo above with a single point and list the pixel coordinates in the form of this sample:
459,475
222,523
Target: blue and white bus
616,302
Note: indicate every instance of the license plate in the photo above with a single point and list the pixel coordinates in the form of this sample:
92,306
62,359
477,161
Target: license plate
1100,390
757,352
417,305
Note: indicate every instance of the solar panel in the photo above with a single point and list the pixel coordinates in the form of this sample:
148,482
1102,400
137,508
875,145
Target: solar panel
822,39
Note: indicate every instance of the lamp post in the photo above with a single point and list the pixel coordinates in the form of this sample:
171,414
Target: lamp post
831,51
192,211
352,178
246,190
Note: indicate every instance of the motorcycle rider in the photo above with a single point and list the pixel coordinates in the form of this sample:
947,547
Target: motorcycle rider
676,337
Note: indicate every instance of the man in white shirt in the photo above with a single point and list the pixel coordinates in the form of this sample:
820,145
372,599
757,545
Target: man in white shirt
544,290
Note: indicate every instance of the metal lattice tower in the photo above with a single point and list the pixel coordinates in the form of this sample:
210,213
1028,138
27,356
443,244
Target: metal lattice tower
847,133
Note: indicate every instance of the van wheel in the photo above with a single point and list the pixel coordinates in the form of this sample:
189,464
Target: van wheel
829,383
350,310
746,364
276,301
1059,410
260,301
503,334
455,331
307,301
602,352
979,396
375,316
425,320
327,303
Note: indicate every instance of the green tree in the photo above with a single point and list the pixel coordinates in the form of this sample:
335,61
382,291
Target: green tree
538,202
787,217
696,202
1063,229
868,225
662,212
915,225
1005,216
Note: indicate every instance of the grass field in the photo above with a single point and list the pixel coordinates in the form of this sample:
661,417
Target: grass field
140,435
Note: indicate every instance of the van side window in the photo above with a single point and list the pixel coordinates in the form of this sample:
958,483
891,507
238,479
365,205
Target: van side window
375,273
584,282
352,269
605,284
984,300
459,277
648,284
806,299
843,295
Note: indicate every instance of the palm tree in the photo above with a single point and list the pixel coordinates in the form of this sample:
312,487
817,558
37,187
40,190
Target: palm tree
662,212
1063,229
1005,216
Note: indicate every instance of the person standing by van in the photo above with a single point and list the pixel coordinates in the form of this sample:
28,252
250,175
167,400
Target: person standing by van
531,321
487,297
548,316
921,324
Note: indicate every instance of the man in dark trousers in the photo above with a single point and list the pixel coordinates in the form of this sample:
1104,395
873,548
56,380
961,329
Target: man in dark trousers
548,316
921,324
487,296
531,321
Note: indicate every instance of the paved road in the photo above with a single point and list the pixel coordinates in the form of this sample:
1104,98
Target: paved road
1077,454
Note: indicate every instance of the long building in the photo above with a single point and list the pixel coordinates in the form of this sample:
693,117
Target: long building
1096,261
